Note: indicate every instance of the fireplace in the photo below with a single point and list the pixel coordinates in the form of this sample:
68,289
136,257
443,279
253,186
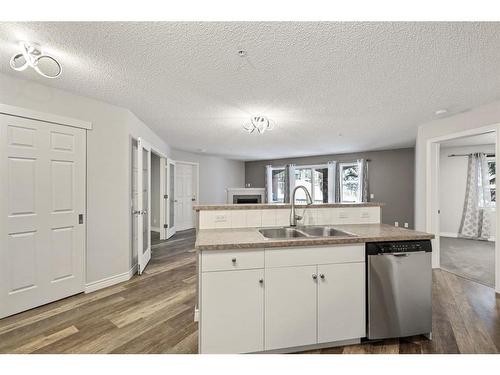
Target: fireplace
245,195
247,199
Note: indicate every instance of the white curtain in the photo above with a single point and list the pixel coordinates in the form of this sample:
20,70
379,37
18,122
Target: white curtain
475,220
333,182
363,180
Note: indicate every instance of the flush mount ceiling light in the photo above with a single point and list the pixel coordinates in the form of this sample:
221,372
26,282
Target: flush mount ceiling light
441,112
32,55
259,124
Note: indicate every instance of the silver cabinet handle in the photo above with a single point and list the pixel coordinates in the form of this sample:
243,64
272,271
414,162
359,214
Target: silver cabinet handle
314,276
322,276
261,281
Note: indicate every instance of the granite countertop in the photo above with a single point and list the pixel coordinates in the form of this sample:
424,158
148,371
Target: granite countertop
270,206
249,238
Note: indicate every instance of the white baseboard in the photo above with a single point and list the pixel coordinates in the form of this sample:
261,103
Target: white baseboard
448,234
109,281
196,315
455,235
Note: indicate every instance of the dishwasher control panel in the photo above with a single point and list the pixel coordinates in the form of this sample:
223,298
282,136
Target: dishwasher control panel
374,248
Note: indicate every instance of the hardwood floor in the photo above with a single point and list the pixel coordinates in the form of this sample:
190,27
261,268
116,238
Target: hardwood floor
153,313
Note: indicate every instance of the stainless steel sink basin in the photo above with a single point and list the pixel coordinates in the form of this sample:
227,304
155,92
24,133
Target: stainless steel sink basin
298,232
324,232
281,233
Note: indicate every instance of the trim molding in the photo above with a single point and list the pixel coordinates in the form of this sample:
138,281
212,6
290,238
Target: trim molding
12,110
196,316
455,235
156,229
109,281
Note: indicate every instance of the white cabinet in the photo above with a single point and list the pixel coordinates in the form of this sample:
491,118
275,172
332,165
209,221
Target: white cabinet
232,311
341,301
290,307
268,299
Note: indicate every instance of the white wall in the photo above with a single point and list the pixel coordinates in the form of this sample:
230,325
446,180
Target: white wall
108,168
216,175
452,184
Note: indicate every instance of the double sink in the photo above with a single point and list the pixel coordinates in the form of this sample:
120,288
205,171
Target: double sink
305,231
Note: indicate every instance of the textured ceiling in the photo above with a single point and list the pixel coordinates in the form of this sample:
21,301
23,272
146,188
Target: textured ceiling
329,87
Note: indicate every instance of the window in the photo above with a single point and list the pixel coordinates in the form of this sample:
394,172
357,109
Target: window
349,182
314,178
492,179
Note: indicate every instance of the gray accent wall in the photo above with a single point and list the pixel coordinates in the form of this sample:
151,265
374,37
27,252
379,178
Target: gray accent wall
391,178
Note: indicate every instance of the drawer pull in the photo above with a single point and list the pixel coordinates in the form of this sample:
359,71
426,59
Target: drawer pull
314,276
261,281
233,260
322,276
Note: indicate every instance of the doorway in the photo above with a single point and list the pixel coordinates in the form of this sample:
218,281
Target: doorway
467,204
156,222
461,245
186,194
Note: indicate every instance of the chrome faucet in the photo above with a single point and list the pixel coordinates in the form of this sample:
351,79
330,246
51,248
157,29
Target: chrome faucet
293,216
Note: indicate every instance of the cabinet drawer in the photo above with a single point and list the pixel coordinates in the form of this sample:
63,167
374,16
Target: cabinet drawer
224,260
301,256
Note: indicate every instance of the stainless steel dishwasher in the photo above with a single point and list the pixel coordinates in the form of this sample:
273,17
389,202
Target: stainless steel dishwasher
399,292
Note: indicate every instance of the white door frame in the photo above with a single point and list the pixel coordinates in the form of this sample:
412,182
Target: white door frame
432,191
196,186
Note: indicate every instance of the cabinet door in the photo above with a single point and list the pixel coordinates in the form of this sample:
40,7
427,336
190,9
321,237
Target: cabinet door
341,302
290,318
232,311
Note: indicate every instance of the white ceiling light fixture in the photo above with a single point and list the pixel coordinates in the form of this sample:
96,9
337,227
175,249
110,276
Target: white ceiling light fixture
441,112
32,56
258,124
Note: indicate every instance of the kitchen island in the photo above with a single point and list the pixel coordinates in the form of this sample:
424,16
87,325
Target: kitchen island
259,294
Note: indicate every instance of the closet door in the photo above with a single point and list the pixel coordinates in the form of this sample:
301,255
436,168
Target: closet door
42,213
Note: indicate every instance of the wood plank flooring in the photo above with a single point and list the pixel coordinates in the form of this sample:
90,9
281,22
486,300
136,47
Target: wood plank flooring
153,313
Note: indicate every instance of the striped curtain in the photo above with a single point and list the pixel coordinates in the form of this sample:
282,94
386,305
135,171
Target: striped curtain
268,180
289,182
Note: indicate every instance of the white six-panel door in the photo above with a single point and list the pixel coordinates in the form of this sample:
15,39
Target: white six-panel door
42,205
185,195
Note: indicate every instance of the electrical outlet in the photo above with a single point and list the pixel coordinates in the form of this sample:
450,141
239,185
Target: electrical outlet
406,225
372,196
396,224
220,218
